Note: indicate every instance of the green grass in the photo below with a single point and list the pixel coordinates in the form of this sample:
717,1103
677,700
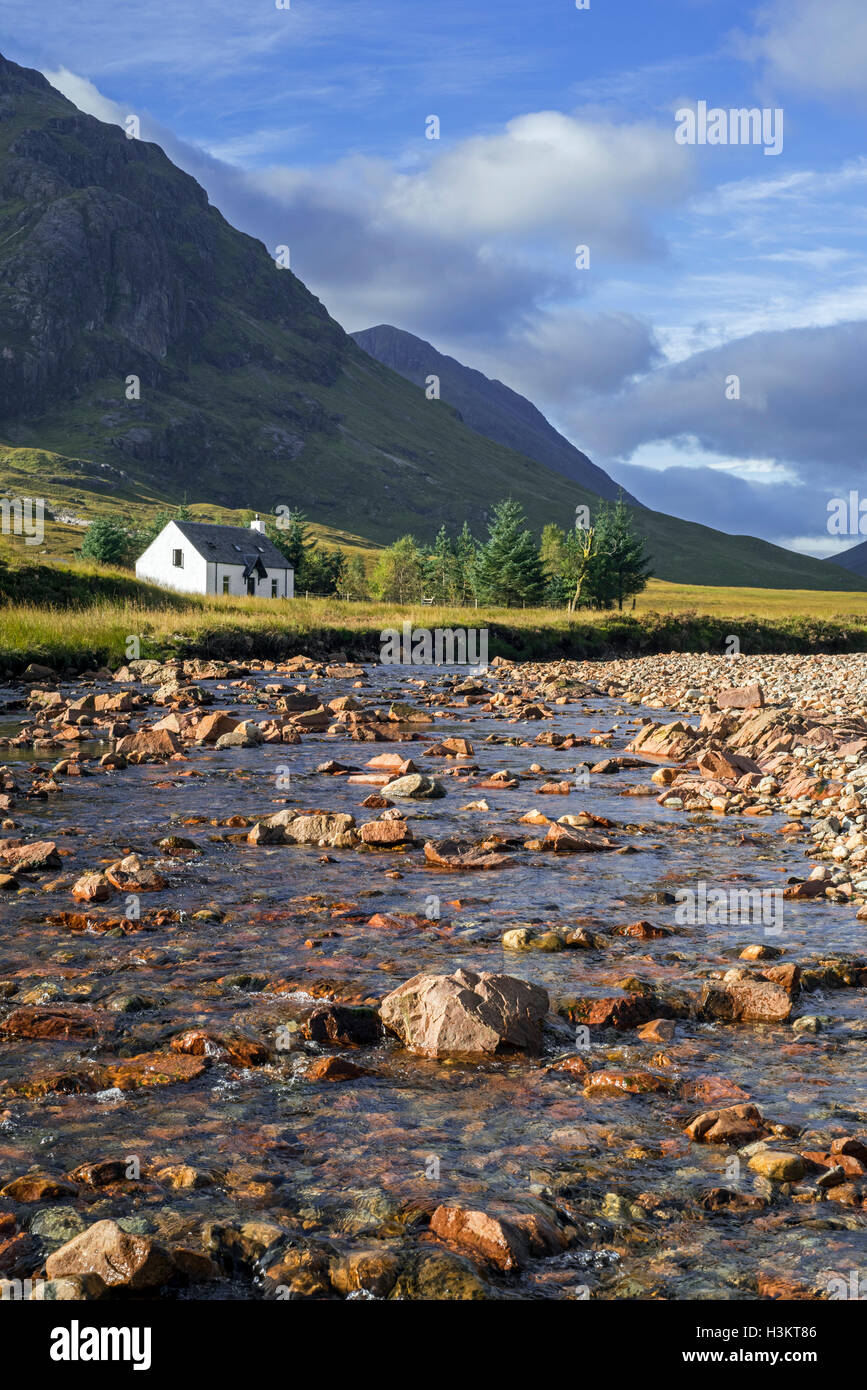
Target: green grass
80,616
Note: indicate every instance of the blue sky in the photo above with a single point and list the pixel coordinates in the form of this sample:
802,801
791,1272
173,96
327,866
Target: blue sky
307,127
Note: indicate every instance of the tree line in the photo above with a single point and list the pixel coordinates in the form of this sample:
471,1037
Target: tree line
599,565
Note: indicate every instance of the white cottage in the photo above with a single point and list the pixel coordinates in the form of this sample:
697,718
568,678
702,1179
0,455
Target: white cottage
196,557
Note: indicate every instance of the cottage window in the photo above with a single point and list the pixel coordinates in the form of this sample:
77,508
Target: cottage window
273,588
178,559
225,583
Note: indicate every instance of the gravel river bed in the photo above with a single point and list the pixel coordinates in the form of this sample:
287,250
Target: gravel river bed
216,1084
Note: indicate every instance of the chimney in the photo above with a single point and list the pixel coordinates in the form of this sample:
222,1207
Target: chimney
258,525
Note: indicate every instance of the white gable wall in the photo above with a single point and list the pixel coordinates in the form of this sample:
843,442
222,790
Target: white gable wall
156,563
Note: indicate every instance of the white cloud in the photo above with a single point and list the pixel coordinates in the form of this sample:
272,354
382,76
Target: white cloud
548,172
818,47
86,96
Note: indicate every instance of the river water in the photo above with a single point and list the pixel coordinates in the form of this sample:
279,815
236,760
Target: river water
349,1162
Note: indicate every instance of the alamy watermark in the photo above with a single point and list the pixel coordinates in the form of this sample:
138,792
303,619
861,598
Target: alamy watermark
838,1287
738,126
847,516
440,646
23,516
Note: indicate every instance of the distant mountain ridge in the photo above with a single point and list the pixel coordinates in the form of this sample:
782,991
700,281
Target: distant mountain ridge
487,406
854,560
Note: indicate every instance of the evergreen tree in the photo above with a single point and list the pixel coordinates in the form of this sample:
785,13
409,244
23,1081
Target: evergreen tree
620,566
439,569
465,551
508,569
107,542
293,539
320,571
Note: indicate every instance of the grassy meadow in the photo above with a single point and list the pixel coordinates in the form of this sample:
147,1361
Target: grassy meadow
78,615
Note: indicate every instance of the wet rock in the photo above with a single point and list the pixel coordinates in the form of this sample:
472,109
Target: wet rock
20,1255
779,1167
416,787
843,1165
729,1199
100,1173
55,1022
657,1030
213,726
241,1246
121,1260
39,1187
149,743
436,1015
386,833
620,1210
505,1242
800,892
72,1288
437,1277
23,858
611,1083
402,713
243,1052
151,1069
711,1090
619,1012
747,1001
92,888
572,1066
525,939
374,1271
773,1286
129,875
57,1225
345,1027
336,829
745,697
465,854
303,1272
334,1069
247,735
733,1124
642,931
563,839
856,1148
183,1177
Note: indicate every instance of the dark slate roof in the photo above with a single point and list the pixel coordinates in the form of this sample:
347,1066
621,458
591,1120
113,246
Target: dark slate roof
232,545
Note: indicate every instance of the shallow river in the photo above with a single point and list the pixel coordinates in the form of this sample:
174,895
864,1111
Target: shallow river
350,1161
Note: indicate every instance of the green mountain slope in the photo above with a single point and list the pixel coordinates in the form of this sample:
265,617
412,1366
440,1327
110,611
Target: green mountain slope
487,406
114,265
